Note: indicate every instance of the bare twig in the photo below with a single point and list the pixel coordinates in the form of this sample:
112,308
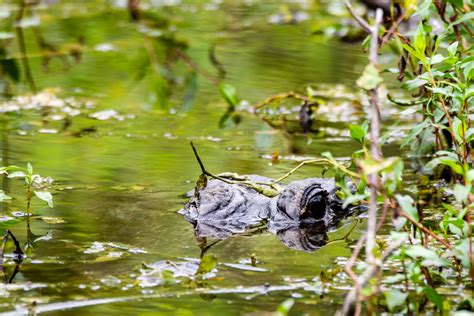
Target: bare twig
426,230
374,182
350,173
357,17
273,98
375,149
267,189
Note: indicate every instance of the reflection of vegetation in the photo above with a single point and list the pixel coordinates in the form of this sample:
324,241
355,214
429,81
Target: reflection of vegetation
165,49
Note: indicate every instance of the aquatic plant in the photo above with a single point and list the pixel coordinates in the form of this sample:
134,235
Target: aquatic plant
36,185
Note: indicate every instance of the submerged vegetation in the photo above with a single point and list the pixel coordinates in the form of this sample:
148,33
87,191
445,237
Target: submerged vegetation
105,97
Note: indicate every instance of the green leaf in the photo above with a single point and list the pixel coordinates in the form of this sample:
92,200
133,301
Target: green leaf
419,39
407,205
395,298
456,3
370,78
410,7
45,196
470,176
467,17
17,174
415,131
357,133
430,258
453,164
436,59
229,93
285,307
452,49
461,252
352,199
29,168
423,8
414,83
208,263
461,192
434,297
458,129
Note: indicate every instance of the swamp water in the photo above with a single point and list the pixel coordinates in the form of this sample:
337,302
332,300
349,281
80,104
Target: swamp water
119,176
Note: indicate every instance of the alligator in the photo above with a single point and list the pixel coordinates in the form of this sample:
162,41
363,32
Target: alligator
300,215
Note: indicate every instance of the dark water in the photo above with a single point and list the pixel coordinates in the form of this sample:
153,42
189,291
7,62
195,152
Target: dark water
123,182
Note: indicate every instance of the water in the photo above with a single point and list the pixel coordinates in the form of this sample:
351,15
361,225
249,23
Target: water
123,182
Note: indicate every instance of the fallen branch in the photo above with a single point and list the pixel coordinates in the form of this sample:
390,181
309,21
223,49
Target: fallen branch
267,189
273,98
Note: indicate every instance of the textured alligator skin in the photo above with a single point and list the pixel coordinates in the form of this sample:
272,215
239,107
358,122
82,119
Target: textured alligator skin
300,215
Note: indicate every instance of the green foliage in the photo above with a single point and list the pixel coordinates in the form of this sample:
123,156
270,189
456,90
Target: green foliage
229,93
33,183
285,307
395,298
358,132
208,263
437,70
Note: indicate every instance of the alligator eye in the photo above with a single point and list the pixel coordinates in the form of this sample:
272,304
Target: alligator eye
315,207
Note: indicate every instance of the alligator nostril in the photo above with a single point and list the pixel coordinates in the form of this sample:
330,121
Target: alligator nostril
315,207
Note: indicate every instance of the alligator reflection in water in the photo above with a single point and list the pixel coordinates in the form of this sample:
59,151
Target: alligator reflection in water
301,215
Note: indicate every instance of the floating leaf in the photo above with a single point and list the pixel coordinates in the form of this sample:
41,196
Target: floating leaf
45,196
245,267
52,220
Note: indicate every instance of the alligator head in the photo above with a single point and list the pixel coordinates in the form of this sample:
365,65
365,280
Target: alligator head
301,214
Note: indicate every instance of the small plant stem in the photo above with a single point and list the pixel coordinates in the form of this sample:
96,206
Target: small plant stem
357,17
446,112
392,29
384,211
471,257
350,173
407,288
426,230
